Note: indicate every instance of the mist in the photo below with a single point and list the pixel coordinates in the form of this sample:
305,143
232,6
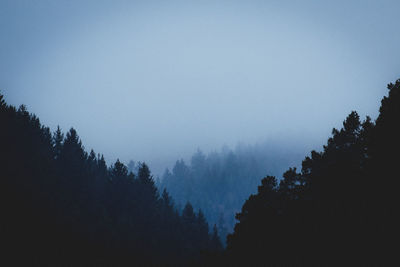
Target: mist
154,81
199,133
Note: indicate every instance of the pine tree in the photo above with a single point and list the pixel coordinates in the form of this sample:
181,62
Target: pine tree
58,139
215,241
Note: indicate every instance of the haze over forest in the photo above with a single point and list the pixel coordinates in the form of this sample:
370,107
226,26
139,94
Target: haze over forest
154,81
199,133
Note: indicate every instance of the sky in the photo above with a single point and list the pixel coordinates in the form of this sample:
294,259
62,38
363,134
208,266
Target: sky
156,80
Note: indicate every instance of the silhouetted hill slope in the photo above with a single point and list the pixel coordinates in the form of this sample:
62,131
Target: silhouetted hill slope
340,209
63,206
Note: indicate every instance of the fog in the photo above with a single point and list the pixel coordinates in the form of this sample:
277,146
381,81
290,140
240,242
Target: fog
155,80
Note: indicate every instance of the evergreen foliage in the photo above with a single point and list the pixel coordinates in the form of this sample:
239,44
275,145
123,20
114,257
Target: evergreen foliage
63,206
220,182
339,210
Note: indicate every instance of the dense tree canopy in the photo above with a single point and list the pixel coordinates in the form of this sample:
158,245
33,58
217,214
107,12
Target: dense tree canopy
340,209
218,183
63,206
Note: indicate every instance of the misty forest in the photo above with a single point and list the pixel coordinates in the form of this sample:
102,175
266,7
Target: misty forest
286,200
64,205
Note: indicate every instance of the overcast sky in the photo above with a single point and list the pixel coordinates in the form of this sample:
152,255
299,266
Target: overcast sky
155,80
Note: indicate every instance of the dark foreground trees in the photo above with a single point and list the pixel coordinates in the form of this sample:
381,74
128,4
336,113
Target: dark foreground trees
340,209
62,206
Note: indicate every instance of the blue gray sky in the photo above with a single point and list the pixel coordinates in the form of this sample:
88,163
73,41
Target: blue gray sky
155,80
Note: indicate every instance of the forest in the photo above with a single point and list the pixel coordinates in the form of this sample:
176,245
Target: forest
63,206
339,209
218,183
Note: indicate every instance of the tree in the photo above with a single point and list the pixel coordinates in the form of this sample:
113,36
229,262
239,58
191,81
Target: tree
118,172
215,241
188,214
146,180
58,139
2,102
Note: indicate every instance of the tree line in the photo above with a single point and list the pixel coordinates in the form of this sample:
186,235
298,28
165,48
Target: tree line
61,205
219,182
339,209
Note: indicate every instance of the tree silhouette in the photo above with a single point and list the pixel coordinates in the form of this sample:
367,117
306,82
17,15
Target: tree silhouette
63,206
337,210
